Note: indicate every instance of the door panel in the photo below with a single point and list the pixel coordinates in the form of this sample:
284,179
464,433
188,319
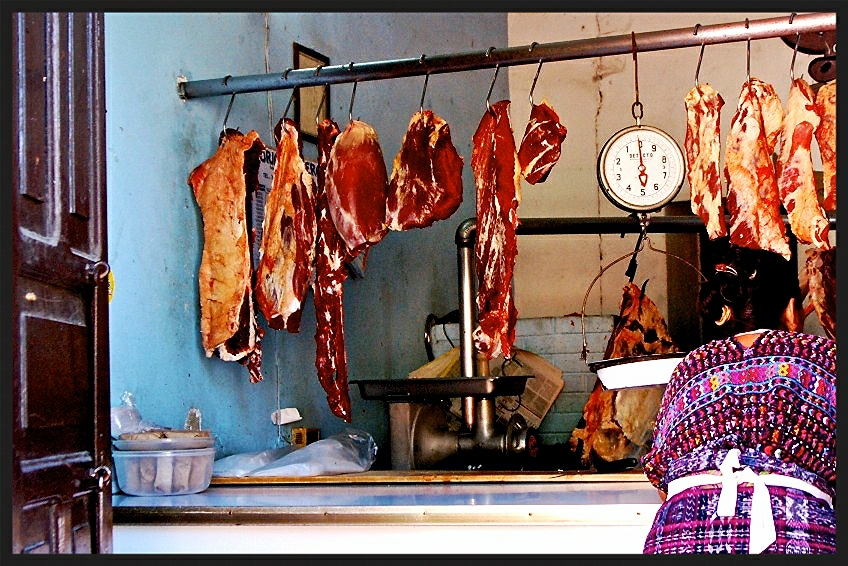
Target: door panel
61,494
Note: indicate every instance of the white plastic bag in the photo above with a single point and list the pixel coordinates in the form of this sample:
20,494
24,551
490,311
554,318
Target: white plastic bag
347,452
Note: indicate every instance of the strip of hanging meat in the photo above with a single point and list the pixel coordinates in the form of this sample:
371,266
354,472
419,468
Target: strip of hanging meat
328,290
287,250
795,181
818,285
702,146
753,201
826,138
228,324
497,177
541,146
357,187
426,180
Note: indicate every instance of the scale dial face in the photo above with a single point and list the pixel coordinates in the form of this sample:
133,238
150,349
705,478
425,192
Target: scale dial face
641,169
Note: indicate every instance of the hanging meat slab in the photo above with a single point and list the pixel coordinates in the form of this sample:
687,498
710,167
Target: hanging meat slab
753,202
357,187
795,181
702,146
818,285
617,424
287,250
328,290
228,325
541,146
497,177
826,138
426,180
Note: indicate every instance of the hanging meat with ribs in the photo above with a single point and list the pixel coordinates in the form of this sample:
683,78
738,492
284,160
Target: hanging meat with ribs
357,187
330,274
287,250
795,181
426,180
702,147
497,177
753,202
541,146
617,424
826,138
228,326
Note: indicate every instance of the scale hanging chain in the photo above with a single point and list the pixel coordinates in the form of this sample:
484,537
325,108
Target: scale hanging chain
636,109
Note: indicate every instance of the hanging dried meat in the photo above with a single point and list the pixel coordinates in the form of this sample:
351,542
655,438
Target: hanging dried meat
357,187
497,177
795,181
753,202
702,147
826,138
228,325
426,180
330,274
617,424
818,284
287,250
541,146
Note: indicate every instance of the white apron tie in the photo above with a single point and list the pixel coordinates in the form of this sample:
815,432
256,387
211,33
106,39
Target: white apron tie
762,519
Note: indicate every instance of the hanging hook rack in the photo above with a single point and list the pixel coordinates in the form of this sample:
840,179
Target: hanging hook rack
660,40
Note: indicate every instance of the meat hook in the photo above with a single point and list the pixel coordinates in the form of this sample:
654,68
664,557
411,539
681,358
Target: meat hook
533,86
491,86
320,104
426,78
748,54
350,108
701,56
794,53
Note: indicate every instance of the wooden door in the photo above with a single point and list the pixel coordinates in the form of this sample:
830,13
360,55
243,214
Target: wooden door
61,490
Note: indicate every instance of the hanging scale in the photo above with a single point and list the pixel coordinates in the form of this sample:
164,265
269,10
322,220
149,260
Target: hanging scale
640,168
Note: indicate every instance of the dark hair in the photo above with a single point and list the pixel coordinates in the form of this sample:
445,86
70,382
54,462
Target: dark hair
756,284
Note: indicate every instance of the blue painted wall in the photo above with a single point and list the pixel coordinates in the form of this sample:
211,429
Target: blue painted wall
154,140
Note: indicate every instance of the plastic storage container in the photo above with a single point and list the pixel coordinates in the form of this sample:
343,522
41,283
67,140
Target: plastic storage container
163,472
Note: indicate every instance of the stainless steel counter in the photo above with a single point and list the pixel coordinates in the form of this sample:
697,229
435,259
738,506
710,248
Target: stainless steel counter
608,514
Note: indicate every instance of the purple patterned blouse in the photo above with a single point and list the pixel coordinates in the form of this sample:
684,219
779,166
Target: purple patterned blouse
776,399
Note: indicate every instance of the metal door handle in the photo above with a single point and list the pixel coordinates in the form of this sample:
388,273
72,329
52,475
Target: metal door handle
97,271
102,474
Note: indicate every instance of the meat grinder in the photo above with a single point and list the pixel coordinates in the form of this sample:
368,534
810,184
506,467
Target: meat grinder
424,435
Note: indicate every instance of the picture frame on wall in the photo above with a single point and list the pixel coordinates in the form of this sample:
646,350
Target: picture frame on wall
309,108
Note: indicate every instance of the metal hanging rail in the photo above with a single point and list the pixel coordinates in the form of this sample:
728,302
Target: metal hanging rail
509,56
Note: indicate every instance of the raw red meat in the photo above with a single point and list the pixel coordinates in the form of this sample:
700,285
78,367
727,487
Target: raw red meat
541,145
702,147
497,177
220,184
753,201
826,138
818,284
330,274
795,181
357,187
426,180
287,251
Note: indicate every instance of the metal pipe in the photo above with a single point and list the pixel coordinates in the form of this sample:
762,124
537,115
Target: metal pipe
465,238
509,56
620,225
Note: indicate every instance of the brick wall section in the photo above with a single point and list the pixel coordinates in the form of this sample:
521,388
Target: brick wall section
559,340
